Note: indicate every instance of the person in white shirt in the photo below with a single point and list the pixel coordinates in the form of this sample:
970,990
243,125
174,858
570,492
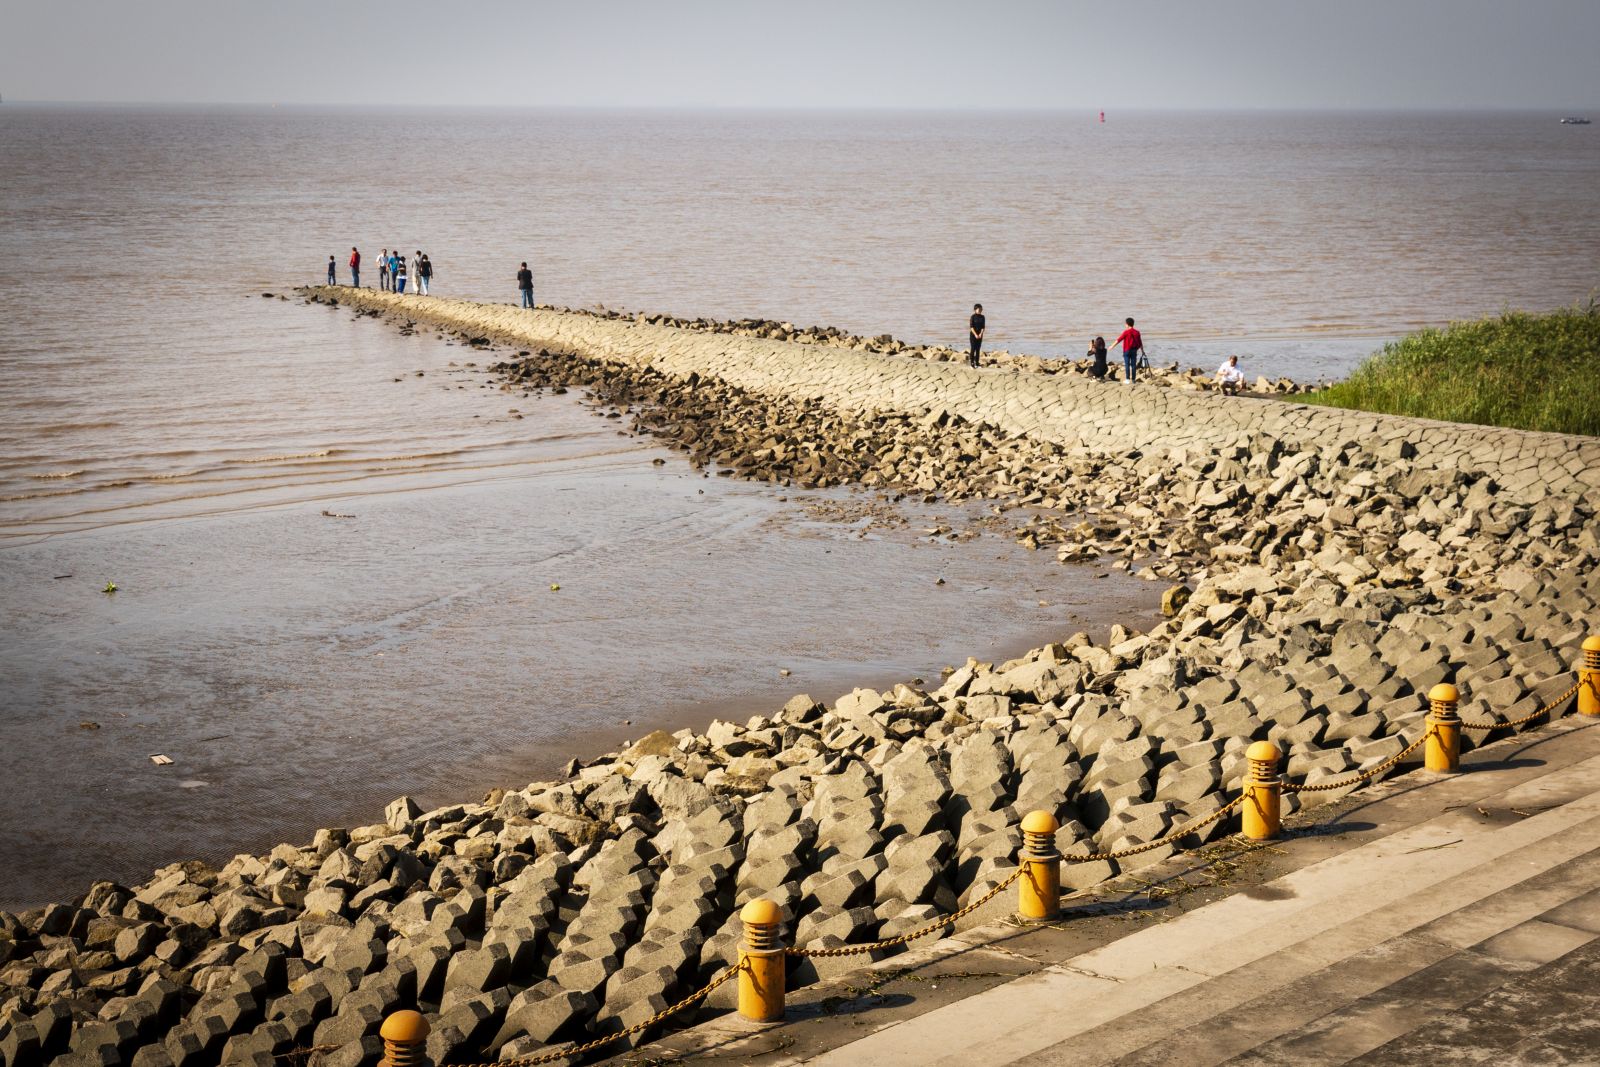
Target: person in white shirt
1229,377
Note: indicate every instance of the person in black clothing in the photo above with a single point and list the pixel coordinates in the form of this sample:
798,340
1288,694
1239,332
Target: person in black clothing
1097,352
331,275
975,333
525,283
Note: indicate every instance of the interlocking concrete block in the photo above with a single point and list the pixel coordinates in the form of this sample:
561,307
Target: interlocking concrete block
580,974
631,984
20,1045
1189,783
479,970
1122,772
792,840
431,959
1342,726
353,1021
1307,732
854,924
196,1041
546,1013
360,1053
1095,806
1312,764
102,1041
146,1056
847,846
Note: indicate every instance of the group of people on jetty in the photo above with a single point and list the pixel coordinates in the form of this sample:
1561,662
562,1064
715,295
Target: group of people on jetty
394,272
1230,379
393,276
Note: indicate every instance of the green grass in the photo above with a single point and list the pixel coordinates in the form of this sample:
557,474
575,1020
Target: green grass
1532,372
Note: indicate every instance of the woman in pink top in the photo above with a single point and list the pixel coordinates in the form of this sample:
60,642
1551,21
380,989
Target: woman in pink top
1132,344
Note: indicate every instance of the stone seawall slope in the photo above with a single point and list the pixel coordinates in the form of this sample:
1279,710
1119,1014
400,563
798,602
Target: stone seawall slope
1526,466
1335,580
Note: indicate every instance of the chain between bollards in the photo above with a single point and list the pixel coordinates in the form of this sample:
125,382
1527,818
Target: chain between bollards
763,957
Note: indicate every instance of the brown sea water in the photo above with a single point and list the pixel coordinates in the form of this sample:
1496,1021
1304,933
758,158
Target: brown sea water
164,427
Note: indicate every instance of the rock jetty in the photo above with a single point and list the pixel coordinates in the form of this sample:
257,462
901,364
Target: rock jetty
1194,379
1321,570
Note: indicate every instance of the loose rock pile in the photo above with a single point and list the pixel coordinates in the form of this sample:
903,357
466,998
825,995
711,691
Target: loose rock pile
1323,591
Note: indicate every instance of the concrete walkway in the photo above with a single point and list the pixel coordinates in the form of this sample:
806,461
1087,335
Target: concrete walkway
1407,924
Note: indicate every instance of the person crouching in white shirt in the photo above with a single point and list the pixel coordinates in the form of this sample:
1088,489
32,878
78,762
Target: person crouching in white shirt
1229,377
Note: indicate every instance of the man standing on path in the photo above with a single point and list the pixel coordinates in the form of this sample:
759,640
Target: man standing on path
355,268
525,283
383,270
975,333
333,278
1132,344
424,273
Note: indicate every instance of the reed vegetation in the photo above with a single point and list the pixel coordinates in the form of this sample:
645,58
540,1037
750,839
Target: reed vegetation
1532,372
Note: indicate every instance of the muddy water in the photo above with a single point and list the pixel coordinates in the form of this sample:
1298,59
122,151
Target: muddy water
307,648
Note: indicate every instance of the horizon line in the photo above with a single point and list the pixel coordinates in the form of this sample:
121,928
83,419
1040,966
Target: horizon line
816,108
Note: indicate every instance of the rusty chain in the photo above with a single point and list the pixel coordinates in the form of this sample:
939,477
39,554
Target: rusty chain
557,1055
1165,839
1364,776
946,920
943,921
1557,702
904,939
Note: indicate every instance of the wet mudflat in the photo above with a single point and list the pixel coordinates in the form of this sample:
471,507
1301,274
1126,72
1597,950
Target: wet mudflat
306,652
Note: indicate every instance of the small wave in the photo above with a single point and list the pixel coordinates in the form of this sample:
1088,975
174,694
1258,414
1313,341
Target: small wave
38,496
56,475
174,476
289,456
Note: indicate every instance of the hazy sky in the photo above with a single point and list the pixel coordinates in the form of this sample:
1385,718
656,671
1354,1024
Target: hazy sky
812,53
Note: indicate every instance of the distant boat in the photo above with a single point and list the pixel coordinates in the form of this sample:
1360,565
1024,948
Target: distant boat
1570,121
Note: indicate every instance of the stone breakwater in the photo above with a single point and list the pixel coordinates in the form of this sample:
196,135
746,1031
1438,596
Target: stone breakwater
1331,571
1195,379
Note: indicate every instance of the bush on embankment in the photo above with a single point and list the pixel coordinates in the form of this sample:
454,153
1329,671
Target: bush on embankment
1531,372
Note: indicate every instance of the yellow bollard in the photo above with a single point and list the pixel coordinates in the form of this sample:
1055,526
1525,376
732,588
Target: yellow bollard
1039,888
403,1035
1589,677
761,962
1263,791
1443,750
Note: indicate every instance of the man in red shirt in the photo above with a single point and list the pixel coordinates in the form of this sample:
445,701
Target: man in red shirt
355,267
1132,344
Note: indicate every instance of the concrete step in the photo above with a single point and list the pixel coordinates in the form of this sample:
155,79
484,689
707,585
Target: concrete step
1330,961
1419,979
1548,1016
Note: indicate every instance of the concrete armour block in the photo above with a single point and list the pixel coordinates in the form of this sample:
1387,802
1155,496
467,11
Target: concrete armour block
1189,783
479,970
855,924
350,1024
546,1013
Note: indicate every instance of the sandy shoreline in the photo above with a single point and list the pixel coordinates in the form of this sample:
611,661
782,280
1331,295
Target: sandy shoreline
1324,569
